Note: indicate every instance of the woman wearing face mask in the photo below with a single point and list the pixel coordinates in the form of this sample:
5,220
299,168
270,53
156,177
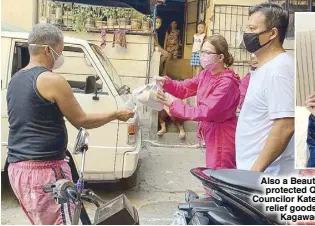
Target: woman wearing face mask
217,91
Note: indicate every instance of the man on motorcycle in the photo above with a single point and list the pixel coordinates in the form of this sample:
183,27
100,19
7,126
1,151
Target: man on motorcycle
38,100
264,135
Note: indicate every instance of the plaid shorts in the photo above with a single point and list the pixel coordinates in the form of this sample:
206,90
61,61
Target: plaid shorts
195,59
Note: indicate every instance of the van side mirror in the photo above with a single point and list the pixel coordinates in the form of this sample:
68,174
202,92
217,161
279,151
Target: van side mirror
90,84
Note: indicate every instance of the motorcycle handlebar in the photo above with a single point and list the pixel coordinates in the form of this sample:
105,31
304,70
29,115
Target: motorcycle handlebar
72,194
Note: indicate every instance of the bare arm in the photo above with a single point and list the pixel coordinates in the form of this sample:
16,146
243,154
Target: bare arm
60,91
277,141
165,40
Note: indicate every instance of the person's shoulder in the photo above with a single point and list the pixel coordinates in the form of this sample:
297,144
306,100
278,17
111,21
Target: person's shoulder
230,77
283,60
282,65
51,79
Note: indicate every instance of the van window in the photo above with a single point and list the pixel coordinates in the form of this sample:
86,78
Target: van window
21,57
76,67
112,73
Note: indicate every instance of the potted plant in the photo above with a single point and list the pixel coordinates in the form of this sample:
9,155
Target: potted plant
146,23
111,14
90,19
136,20
58,11
67,17
128,16
80,14
99,23
52,15
121,14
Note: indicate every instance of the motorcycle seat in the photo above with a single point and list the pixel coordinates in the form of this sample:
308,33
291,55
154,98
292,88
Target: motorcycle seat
238,178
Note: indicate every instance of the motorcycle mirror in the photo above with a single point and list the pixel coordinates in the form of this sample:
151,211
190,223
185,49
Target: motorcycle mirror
190,195
81,142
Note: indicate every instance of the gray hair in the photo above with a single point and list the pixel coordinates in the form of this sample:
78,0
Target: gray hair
44,34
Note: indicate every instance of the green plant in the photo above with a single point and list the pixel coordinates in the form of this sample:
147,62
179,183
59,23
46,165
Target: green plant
99,13
136,15
67,10
128,13
140,16
80,15
147,18
90,14
54,4
110,12
123,13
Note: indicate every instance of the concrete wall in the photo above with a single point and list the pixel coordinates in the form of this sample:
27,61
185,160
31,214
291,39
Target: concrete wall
21,13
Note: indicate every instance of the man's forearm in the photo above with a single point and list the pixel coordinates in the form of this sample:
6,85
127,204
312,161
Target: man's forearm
96,120
277,141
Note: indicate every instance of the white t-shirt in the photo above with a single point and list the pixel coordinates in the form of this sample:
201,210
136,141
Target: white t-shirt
270,95
198,40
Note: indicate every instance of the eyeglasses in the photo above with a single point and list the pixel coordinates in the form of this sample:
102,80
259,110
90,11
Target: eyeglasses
206,52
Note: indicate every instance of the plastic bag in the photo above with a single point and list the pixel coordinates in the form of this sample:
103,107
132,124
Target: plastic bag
147,95
130,104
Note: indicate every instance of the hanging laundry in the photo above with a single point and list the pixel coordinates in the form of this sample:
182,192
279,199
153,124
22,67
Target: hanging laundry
103,37
120,38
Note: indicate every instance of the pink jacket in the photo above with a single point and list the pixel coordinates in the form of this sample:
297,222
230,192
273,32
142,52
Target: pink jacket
243,89
217,100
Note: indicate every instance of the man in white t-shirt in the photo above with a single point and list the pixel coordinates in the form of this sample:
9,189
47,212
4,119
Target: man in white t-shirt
265,129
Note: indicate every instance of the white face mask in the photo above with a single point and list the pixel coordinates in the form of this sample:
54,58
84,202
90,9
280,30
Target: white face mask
57,62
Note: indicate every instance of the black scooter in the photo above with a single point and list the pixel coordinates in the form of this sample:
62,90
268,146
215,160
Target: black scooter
229,203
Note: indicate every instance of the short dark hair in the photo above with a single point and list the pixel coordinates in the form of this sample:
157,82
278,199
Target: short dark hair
275,16
202,22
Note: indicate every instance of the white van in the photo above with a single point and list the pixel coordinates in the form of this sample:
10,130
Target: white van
113,148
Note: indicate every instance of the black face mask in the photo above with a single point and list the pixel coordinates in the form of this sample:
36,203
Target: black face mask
252,43
253,68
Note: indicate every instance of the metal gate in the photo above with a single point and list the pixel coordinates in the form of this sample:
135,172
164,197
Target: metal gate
230,21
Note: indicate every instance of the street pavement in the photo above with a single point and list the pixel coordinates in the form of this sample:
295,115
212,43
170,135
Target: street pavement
163,176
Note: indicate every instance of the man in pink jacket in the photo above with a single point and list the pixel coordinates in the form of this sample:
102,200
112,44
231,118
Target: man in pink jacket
217,91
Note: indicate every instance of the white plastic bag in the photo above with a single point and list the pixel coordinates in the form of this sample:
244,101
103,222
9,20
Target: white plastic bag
147,95
130,104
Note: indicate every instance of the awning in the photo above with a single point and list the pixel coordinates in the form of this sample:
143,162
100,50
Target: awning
143,6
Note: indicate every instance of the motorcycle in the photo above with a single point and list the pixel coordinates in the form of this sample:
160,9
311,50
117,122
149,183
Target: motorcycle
228,202
118,211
